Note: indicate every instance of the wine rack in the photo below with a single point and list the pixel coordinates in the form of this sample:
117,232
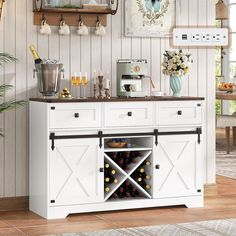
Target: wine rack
127,162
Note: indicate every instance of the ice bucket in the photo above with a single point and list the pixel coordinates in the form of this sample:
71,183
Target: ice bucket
49,78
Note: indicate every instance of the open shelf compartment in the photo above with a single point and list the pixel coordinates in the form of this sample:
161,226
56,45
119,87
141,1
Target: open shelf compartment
148,171
120,176
140,152
132,189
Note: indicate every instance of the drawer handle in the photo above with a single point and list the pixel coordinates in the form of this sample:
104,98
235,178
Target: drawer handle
130,113
180,113
157,167
101,170
76,115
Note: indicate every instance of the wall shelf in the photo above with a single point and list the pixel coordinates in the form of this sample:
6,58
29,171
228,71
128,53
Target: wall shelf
72,16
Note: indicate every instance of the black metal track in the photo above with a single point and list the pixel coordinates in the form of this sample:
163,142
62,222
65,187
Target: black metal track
100,135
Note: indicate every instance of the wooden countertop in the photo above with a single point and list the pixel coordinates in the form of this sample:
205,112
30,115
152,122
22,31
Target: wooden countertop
116,99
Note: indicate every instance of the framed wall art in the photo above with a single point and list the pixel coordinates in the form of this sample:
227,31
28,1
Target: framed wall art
149,18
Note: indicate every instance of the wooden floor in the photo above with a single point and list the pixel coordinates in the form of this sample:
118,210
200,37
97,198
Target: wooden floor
217,206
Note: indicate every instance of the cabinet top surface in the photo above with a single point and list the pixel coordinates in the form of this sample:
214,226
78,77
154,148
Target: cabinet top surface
116,99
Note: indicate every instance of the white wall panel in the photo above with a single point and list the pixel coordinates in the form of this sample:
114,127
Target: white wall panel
86,53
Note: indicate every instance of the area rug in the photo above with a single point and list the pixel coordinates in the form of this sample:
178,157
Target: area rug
226,227
226,164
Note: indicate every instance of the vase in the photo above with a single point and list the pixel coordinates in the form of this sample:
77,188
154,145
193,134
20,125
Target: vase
176,85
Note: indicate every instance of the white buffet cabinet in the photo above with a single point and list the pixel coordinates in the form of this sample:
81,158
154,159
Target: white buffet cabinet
68,151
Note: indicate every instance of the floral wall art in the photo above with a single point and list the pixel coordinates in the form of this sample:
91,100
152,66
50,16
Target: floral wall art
149,18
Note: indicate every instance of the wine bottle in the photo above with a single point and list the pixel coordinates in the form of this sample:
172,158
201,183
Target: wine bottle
107,189
110,180
141,170
107,180
107,165
144,176
37,59
128,161
145,185
109,171
115,195
148,186
147,163
139,179
121,192
120,161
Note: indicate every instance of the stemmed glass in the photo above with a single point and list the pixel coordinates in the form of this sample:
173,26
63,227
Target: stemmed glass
76,80
84,82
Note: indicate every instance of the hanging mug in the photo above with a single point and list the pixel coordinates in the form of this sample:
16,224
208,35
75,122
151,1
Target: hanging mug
45,28
100,29
64,29
82,29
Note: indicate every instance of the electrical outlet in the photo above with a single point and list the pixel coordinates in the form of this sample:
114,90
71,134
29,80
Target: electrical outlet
196,37
200,37
216,37
206,37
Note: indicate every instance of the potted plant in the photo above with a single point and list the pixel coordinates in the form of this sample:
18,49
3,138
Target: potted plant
11,104
176,64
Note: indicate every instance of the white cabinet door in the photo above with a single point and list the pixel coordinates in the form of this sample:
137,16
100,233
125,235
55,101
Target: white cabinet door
178,166
74,172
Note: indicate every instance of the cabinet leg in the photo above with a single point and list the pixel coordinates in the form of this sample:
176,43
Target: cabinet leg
227,134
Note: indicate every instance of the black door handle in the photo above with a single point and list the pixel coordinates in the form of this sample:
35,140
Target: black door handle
101,170
76,115
157,167
130,113
179,113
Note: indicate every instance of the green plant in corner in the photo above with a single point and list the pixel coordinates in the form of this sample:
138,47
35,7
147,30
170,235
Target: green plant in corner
11,104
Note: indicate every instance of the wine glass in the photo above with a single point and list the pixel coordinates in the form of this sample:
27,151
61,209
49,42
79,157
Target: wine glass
84,82
75,81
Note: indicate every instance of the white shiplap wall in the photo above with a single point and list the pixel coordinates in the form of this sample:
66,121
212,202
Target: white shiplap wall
86,53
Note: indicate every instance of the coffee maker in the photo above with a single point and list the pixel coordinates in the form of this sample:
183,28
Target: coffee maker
131,78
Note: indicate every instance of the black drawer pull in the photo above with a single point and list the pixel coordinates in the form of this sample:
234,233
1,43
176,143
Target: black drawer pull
76,115
180,113
157,167
101,170
130,113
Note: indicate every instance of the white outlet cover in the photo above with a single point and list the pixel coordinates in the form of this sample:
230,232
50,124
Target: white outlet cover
200,37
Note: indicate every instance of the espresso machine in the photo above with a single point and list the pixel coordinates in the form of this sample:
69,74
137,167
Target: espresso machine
132,80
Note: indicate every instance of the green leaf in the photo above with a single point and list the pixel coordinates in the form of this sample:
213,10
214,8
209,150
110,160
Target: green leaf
9,105
1,132
4,88
6,58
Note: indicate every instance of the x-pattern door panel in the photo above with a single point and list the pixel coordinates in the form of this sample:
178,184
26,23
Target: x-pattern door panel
74,172
180,166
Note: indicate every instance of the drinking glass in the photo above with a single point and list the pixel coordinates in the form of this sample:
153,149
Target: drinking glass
75,82
84,82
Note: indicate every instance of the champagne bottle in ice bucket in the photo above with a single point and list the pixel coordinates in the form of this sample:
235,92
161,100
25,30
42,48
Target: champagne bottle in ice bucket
37,59
48,74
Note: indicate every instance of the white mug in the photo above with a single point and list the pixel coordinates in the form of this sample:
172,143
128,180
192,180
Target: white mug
100,29
64,29
82,29
45,28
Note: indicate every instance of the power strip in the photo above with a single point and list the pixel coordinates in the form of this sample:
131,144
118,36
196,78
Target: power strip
200,37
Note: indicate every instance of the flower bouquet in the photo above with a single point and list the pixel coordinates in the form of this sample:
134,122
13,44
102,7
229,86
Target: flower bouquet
176,64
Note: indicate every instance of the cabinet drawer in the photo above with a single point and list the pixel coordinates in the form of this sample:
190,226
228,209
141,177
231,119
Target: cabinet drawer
129,114
86,115
179,113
